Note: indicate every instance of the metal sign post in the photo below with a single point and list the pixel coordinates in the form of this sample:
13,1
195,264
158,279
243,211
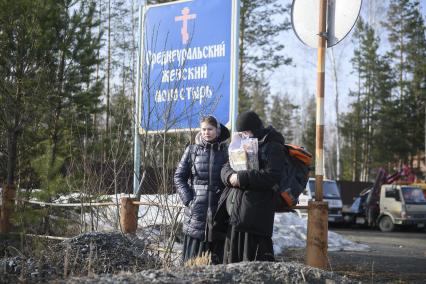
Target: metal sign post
136,138
321,23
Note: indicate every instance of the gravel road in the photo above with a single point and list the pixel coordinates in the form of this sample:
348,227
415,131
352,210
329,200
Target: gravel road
397,257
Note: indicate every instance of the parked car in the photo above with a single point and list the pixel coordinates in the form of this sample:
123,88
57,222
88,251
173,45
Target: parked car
331,194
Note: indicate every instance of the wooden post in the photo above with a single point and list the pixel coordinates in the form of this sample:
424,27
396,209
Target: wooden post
8,196
316,242
319,143
128,215
317,235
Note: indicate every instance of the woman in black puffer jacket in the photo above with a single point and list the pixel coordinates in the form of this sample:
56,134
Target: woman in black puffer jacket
245,215
199,186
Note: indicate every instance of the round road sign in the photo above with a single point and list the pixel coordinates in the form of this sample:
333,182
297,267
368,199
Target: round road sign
341,17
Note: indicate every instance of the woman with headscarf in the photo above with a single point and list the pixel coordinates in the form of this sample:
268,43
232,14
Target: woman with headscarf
245,215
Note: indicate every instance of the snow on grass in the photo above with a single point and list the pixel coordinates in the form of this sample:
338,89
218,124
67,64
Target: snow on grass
290,230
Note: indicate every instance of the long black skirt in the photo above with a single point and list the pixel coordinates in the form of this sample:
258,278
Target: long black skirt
193,248
243,246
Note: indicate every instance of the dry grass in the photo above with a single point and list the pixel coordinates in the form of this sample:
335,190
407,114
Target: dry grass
203,259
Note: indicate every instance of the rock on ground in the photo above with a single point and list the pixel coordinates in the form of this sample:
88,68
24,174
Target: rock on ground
245,272
96,252
114,258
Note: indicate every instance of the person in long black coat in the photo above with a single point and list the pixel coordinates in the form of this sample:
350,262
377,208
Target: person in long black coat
198,183
245,215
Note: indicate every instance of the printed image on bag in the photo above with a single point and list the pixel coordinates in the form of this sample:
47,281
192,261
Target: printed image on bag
243,153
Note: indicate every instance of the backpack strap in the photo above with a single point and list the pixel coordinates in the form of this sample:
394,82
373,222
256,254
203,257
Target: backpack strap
299,153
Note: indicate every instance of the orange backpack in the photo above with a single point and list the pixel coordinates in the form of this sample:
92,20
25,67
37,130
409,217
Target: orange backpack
294,178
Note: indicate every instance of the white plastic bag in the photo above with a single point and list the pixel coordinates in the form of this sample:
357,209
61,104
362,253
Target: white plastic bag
243,153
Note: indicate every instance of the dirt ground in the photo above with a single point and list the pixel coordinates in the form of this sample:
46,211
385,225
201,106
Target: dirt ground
397,257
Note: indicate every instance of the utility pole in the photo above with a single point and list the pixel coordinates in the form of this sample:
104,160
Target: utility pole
314,23
317,235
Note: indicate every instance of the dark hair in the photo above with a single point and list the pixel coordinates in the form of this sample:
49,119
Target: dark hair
210,120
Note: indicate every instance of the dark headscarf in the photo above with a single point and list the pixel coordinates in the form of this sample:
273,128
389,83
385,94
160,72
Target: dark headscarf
249,120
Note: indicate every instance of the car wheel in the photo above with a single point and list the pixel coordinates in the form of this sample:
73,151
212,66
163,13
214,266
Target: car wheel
386,224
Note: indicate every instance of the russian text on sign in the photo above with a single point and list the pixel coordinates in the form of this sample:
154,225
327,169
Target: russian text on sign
181,55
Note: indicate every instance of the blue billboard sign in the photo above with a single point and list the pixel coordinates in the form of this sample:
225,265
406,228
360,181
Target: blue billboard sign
188,64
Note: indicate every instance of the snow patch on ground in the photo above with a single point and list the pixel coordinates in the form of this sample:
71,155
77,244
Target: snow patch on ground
290,230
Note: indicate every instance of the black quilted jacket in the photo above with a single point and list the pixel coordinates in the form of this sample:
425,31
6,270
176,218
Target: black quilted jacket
198,183
251,206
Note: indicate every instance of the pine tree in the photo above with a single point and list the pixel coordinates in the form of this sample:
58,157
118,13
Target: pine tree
259,48
416,98
277,116
283,116
350,147
290,118
373,93
26,35
400,15
258,95
404,25
57,94
367,58
119,48
76,94
384,139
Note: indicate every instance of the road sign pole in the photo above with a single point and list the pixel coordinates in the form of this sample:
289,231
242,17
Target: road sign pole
136,138
317,234
319,145
235,62
309,19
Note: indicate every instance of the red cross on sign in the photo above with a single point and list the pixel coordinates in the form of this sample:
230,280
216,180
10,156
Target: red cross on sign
184,18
